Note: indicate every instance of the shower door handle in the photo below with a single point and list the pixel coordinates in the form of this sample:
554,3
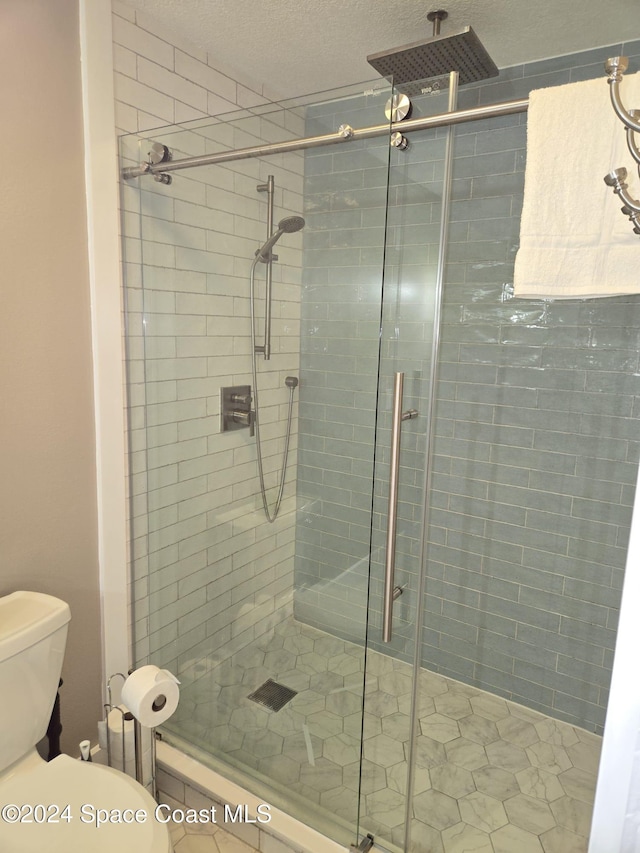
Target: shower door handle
391,592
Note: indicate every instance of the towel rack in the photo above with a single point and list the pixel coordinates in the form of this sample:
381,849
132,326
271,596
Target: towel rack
615,67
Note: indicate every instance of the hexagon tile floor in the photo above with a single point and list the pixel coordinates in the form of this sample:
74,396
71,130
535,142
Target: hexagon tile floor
206,839
491,776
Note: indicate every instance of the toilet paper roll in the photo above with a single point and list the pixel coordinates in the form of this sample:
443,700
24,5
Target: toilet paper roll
114,723
151,694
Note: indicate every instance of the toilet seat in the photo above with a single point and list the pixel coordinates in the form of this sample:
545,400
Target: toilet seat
85,788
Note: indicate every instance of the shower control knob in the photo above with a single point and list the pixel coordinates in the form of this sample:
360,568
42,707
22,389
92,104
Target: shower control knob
245,399
245,418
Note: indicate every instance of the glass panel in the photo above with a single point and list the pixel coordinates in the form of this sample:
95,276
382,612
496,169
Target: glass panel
416,196
224,598
532,481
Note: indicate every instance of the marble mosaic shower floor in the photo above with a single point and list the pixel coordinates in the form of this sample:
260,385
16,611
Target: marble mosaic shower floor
491,775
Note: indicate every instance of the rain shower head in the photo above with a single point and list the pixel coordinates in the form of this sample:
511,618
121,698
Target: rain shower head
461,51
286,226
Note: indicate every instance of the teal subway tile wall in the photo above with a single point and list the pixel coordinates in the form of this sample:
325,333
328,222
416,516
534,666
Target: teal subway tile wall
536,418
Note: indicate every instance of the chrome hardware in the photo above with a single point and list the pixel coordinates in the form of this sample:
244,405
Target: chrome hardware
423,123
617,181
156,156
269,188
631,140
243,419
398,107
391,592
397,140
345,131
265,255
365,845
235,408
633,217
436,18
243,399
291,381
266,260
159,153
615,67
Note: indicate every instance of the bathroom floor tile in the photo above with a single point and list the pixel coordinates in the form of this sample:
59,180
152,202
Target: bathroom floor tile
490,775
462,838
510,838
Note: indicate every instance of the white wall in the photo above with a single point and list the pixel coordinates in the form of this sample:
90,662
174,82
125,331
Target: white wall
48,507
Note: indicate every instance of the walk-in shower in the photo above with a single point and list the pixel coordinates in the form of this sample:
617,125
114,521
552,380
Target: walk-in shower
478,722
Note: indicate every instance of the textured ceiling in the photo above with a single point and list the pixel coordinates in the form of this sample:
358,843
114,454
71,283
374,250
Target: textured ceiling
303,46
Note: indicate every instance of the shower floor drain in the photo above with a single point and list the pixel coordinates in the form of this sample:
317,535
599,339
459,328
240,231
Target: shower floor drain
272,695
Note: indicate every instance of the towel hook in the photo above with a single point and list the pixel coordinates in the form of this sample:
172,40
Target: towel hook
615,67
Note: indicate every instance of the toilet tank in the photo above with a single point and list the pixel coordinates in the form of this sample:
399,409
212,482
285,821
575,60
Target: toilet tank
33,634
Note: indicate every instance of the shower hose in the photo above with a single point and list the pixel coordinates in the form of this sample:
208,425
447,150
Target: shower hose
291,383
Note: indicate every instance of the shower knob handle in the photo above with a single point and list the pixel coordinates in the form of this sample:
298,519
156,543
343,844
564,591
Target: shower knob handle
244,399
246,419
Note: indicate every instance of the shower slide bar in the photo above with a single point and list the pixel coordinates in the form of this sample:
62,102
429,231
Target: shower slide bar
269,189
343,134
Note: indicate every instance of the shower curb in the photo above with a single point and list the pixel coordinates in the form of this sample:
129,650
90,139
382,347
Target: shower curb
186,780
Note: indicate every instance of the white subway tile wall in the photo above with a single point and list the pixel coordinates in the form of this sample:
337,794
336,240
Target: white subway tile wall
209,572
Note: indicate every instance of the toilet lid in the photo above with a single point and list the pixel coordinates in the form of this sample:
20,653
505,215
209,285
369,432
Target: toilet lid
67,805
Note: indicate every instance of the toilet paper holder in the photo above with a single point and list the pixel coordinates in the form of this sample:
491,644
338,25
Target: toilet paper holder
127,716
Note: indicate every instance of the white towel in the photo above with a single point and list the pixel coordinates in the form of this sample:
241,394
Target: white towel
574,240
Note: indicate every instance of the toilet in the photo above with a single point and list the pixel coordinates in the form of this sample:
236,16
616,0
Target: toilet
64,805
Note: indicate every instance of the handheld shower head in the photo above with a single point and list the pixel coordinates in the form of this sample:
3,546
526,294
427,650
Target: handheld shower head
288,225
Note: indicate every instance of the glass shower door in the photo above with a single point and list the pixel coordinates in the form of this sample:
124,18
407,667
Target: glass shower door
248,613
395,754
479,723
